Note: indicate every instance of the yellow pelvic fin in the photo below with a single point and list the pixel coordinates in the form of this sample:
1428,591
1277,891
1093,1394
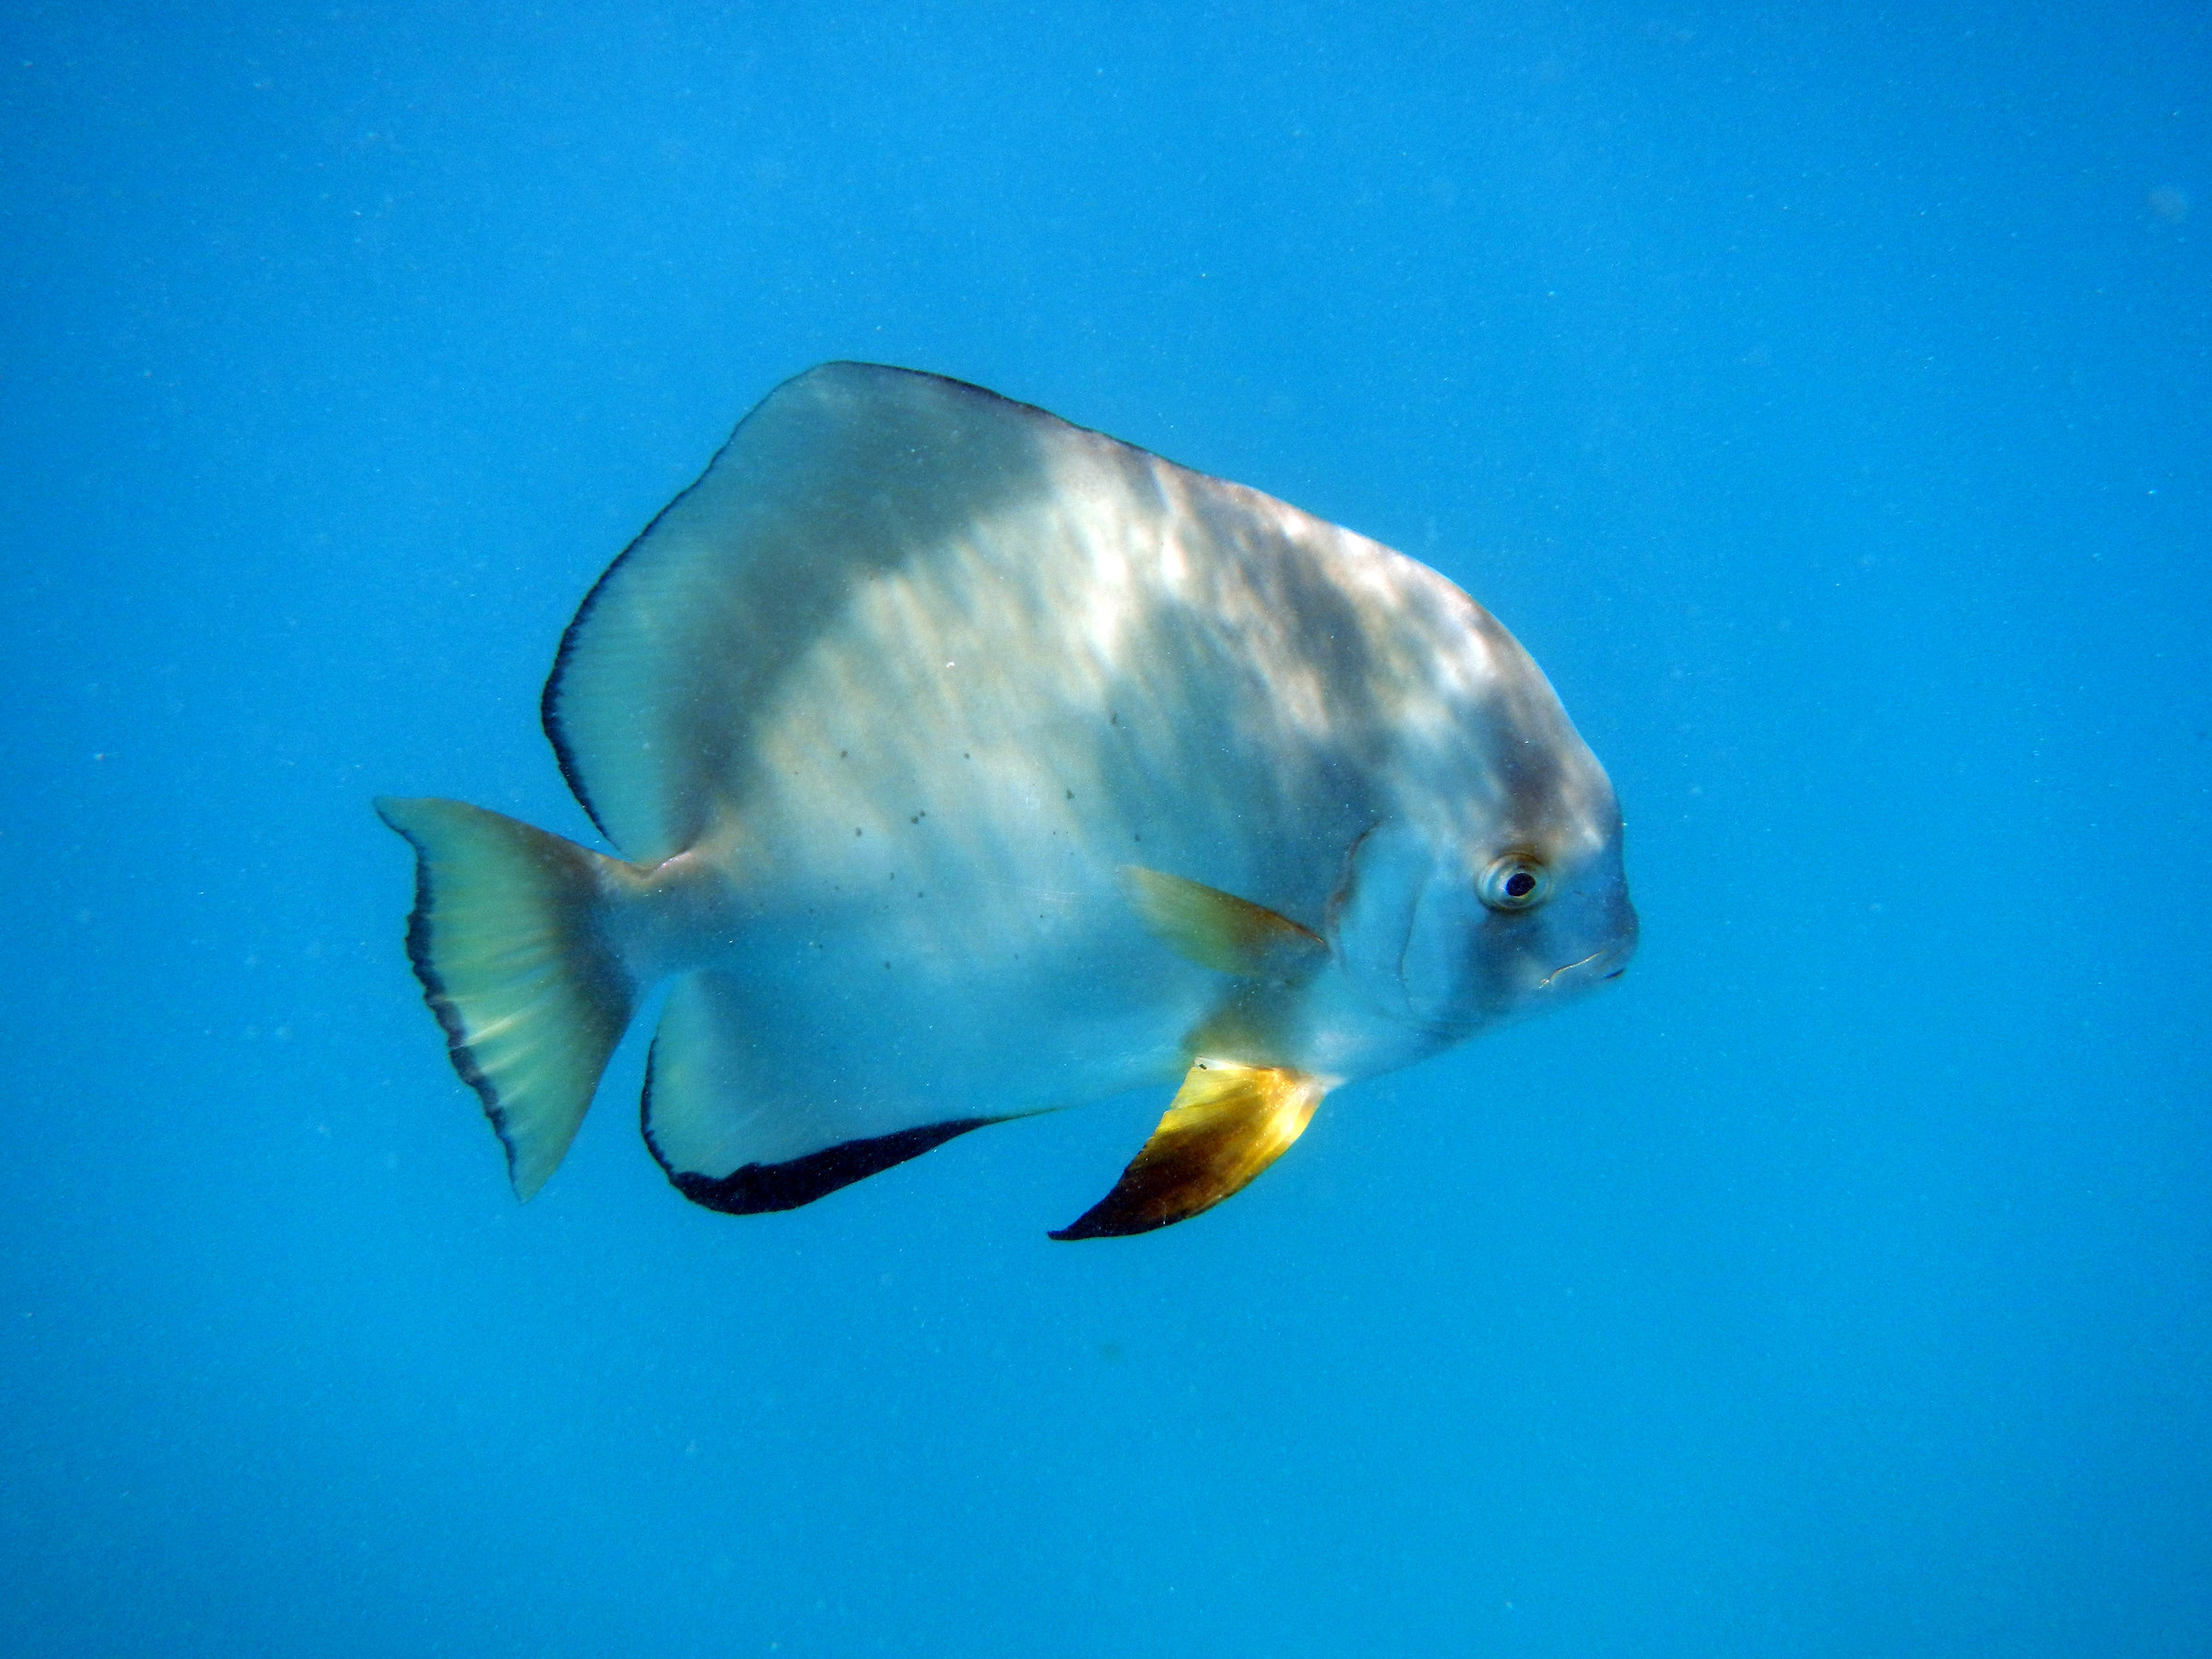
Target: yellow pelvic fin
1218,930
1226,1125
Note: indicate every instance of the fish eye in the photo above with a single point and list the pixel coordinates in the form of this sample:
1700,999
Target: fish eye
1515,882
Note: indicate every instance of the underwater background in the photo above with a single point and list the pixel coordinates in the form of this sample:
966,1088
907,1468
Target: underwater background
1819,393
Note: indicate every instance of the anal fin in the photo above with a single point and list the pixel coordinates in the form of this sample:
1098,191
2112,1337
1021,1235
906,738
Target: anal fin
735,1135
1226,1124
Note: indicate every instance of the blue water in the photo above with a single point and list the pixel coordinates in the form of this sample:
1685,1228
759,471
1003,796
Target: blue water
1822,396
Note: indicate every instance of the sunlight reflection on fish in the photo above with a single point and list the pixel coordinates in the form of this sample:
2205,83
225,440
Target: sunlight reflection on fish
967,764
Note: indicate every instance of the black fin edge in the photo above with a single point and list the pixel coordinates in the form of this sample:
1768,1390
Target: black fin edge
549,701
440,1003
1095,1223
757,1189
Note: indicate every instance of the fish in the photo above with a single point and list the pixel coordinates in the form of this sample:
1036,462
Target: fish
963,765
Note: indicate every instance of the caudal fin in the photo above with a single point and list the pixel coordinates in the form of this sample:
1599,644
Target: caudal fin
508,940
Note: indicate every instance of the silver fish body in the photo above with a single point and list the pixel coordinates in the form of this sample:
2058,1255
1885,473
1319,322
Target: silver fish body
967,764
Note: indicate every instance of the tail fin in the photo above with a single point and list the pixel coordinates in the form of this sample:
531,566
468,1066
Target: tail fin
507,940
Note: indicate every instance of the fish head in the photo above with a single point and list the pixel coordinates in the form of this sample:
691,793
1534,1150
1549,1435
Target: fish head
1467,912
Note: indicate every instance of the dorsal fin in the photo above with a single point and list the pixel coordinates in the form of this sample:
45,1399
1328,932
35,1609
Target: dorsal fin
841,474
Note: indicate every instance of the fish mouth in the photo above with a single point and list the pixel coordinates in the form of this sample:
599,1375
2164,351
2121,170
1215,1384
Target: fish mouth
1618,935
1557,973
1609,963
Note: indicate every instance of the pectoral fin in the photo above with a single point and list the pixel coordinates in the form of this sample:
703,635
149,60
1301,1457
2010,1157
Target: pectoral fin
1218,930
1226,1125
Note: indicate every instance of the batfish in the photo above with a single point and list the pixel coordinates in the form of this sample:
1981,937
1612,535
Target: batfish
965,764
